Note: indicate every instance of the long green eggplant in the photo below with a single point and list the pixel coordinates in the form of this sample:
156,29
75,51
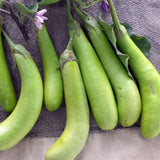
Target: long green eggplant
125,89
99,90
76,131
19,123
146,75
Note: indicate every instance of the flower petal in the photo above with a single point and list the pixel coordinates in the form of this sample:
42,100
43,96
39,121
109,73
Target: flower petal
44,18
105,6
38,25
40,19
41,12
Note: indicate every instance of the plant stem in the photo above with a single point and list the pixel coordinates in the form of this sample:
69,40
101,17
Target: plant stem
79,2
70,18
116,22
119,29
73,25
78,11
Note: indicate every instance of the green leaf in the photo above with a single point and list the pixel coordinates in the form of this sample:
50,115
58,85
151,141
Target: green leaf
34,7
128,28
23,9
143,43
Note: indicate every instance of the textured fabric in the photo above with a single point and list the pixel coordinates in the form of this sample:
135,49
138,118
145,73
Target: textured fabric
143,16
112,145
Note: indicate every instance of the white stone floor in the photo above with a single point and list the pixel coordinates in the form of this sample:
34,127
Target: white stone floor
119,144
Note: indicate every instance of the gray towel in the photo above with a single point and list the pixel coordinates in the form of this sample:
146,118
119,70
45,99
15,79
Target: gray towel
143,16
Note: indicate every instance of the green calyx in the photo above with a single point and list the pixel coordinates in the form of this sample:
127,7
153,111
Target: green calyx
21,50
67,56
89,22
120,32
73,25
74,28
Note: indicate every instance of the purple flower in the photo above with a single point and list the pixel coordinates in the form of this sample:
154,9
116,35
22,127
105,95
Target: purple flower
105,5
39,18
